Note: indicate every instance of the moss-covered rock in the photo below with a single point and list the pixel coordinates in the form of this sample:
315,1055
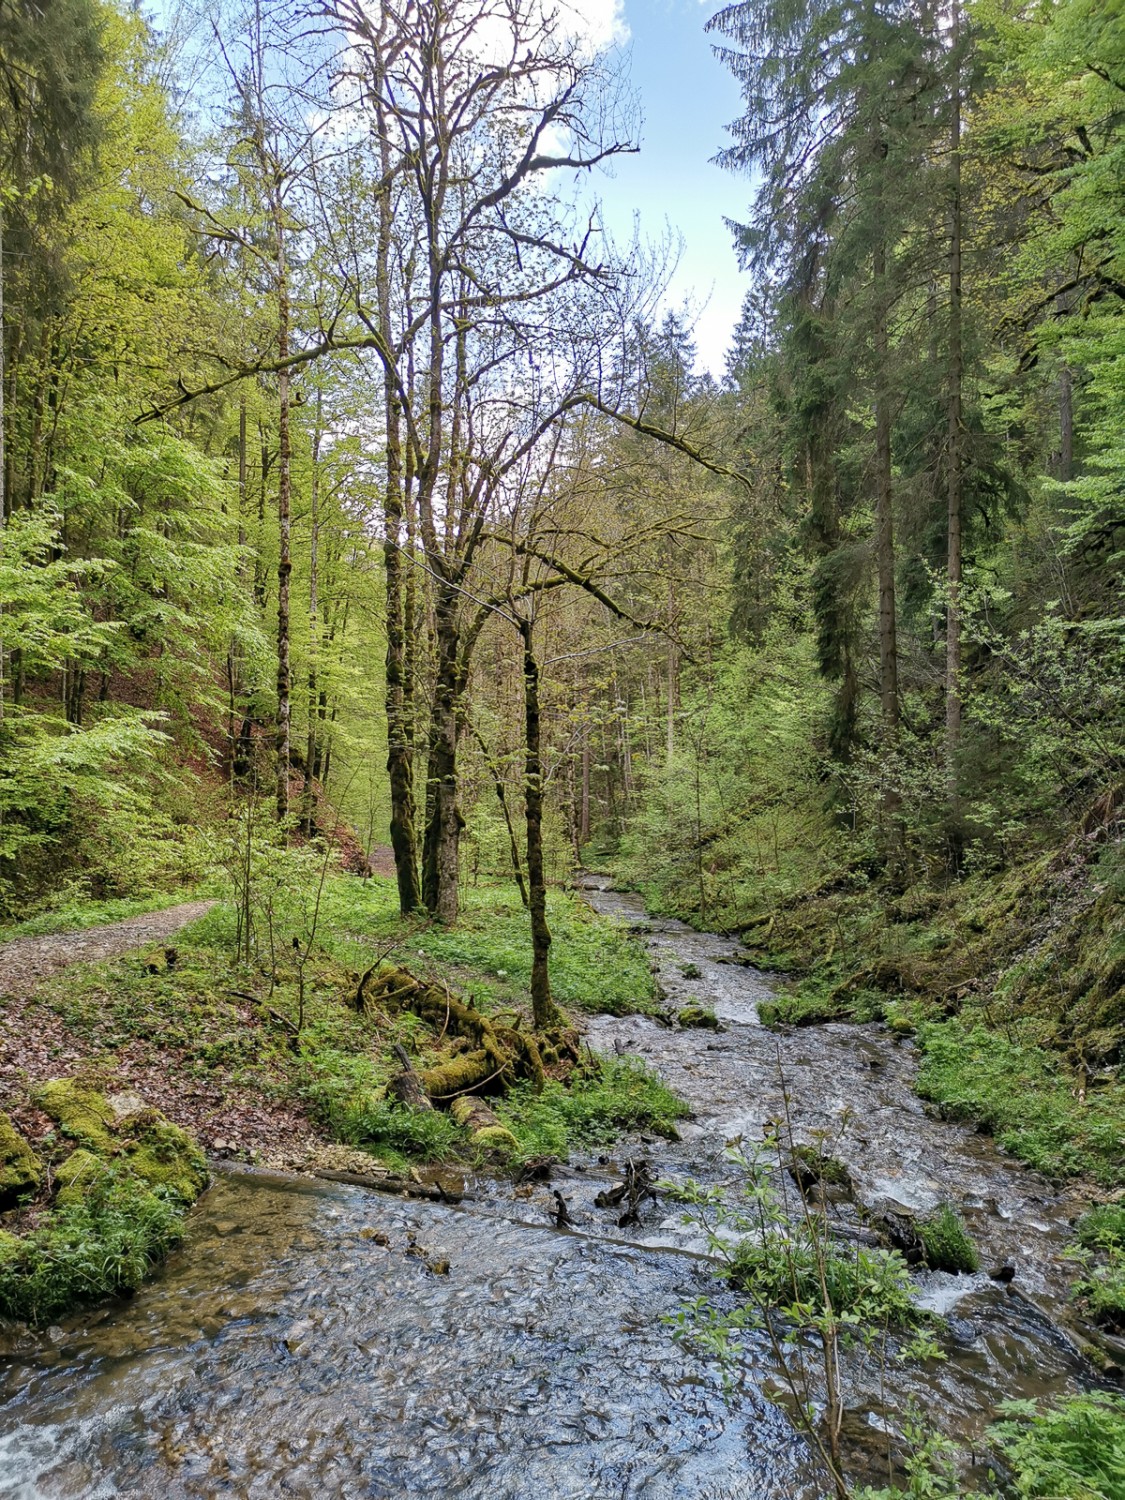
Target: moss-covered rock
77,1174
82,1114
698,1016
165,1156
123,1126
119,1206
20,1169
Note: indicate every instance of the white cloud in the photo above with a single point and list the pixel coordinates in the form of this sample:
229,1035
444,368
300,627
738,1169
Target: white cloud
601,23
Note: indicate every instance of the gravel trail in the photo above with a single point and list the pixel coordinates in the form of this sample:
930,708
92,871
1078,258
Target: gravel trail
26,962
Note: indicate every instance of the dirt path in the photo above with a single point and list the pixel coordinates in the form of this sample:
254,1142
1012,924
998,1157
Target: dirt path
26,962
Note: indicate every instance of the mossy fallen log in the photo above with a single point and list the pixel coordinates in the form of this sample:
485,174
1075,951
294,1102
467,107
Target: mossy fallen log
501,1054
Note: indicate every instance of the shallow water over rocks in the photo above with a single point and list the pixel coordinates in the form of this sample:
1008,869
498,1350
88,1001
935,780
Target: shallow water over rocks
286,1350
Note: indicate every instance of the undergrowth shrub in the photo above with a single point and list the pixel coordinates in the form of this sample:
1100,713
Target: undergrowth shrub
947,1242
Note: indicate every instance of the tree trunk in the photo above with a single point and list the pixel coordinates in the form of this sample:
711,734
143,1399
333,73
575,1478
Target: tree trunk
284,561
956,479
884,512
314,618
584,824
544,1011
1066,424
442,849
885,560
3,450
398,677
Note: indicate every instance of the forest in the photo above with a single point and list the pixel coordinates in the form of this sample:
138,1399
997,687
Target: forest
384,585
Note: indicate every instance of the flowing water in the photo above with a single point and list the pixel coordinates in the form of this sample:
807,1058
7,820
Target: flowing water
308,1340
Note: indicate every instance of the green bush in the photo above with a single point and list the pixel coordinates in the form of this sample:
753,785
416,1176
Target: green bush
1103,1228
1076,1449
947,1243
780,1268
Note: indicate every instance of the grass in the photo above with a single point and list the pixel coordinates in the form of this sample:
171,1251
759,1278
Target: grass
105,1243
947,1242
1024,1095
595,964
616,1095
1101,1291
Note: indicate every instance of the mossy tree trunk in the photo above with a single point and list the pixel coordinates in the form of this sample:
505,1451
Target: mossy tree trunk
544,1011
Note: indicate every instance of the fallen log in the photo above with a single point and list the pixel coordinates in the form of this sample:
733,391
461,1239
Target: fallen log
483,1124
402,1186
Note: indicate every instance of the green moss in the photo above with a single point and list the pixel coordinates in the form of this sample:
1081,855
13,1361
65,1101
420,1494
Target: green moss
166,1157
20,1170
496,1138
811,1165
947,1242
81,1114
698,1016
76,1174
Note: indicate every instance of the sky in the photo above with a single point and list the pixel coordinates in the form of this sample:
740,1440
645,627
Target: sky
687,98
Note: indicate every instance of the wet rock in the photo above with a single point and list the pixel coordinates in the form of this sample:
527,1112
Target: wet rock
811,1168
900,1232
1002,1273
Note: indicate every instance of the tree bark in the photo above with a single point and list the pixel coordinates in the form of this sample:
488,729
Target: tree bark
544,1011
284,560
314,618
442,847
955,475
885,544
3,450
400,747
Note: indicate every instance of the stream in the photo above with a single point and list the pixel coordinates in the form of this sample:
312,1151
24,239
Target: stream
308,1340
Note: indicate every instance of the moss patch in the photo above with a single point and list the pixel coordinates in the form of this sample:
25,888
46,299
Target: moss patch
698,1016
76,1174
81,1114
166,1157
20,1169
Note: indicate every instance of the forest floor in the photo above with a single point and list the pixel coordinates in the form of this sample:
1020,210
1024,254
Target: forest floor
229,1051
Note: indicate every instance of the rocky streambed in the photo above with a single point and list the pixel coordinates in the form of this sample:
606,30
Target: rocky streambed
318,1339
